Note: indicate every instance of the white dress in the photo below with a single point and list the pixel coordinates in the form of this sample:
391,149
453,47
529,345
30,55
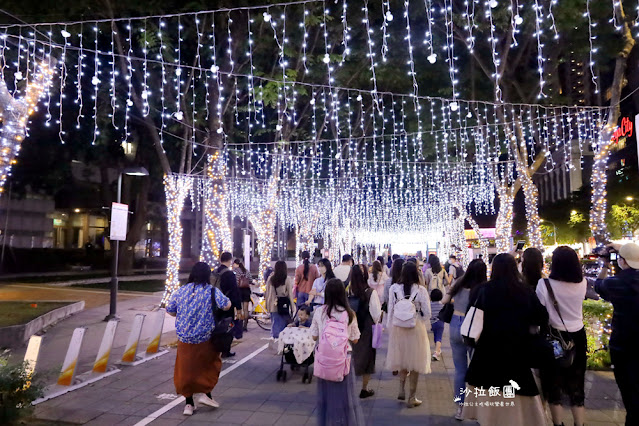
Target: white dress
409,348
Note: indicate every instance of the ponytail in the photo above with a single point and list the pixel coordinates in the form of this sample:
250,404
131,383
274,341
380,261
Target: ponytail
306,268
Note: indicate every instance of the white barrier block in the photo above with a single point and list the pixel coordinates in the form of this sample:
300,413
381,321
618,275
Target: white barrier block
70,360
132,345
31,356
156,332
102,359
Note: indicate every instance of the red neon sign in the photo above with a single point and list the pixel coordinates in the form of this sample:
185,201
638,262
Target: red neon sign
624,129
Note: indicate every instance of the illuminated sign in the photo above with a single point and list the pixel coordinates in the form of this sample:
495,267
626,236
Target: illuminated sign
624,130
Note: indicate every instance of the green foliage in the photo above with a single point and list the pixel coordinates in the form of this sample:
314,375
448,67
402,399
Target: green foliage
624,218
597,312
17,391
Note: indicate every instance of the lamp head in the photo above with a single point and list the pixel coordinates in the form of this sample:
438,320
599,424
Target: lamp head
135,171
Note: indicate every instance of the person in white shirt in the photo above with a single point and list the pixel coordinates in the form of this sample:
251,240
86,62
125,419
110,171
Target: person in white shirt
343,270
377,279
316,296
409,347
569,289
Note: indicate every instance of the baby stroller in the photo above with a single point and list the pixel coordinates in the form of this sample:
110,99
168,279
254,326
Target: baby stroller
287,345
289,358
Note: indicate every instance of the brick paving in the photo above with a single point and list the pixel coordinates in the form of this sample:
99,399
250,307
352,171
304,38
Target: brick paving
250,395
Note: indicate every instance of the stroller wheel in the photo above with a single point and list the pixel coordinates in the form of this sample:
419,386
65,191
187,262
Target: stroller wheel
278,377
284,376
305,378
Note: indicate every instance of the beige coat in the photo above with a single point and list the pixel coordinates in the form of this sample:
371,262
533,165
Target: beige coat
282,291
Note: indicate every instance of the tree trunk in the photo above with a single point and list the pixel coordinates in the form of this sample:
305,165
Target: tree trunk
599,168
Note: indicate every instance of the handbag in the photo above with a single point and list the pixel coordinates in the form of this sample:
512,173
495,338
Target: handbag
221,337
446,314
473,324
377,336
563,346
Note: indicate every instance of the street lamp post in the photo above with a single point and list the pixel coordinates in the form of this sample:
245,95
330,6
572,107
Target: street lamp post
113,302
554,229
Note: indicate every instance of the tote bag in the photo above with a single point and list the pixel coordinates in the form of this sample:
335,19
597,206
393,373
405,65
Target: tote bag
377,336
473,323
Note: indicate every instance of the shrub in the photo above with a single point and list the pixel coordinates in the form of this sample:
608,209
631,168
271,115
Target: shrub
597,317
17,391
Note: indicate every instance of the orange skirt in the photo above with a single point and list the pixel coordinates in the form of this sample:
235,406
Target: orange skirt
197,368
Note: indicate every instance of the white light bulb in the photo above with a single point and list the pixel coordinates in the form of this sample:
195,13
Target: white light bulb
432,58
179,115
65,33
359,97
178,71
278,127
145,94
129,102
312,101
18,75
326,59
214,68
95,80
389,16
454,106
493,4
469,115
219,130
267,17
519,20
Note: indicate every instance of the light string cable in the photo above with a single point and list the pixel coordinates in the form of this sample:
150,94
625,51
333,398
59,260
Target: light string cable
325,86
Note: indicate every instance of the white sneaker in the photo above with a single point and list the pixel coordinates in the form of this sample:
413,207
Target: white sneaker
208,401
188,410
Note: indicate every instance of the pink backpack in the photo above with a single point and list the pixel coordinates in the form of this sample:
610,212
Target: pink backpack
332,361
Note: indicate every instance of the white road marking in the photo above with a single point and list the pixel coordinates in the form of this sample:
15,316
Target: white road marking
148,419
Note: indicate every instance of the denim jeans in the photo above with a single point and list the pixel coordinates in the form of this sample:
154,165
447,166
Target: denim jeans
301,298
461,357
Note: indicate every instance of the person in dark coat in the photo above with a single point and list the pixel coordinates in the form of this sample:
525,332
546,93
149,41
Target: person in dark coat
510,309
228,285
622,291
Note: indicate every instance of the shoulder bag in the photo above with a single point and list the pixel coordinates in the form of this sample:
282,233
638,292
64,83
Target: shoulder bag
221,337
283,303
563,345
446,314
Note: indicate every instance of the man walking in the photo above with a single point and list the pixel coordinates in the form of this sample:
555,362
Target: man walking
224,278
343,270
455,270
622,291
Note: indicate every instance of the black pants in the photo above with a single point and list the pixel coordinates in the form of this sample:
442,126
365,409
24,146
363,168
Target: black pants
626,367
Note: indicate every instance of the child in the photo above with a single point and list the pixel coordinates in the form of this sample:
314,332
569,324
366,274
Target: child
437,325
303,317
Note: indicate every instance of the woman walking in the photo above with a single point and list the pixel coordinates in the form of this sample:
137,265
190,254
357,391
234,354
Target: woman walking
532,266
377,278
337,400
459,294
197,364
510,309
369,310
244,281
408,346
316,296
436,276
305,275
279,298
568,290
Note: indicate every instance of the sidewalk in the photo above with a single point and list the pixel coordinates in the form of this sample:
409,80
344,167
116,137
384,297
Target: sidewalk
250,395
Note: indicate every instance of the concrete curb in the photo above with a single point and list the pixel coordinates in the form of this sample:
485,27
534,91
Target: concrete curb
16,335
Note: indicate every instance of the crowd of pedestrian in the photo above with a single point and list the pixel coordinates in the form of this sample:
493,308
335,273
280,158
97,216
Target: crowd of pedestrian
531,332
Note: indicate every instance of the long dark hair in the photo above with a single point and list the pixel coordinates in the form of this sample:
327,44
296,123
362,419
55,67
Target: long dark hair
200,274
566,266
531,266
396,270
358,283
474,275
240,265
280,273
335,296
305,256
377,270
329,268
409,276
504,269
434,263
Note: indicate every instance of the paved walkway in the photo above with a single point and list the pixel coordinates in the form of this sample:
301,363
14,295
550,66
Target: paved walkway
250,395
